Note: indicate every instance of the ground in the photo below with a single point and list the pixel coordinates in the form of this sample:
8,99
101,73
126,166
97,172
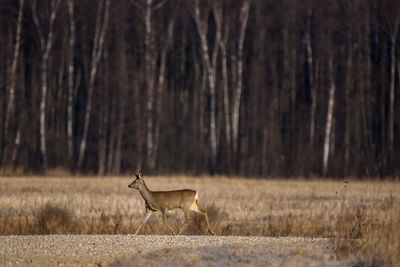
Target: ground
153,250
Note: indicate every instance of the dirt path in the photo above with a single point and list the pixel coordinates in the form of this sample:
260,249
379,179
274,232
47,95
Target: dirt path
129,250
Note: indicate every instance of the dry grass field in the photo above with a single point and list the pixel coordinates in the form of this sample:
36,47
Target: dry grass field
361,219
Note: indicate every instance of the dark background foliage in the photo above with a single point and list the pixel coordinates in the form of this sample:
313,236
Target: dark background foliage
312,87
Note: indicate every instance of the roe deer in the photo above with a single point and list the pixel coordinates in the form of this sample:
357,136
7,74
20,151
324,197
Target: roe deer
186,200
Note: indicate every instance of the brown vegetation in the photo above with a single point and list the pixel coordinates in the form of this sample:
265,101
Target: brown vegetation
360,219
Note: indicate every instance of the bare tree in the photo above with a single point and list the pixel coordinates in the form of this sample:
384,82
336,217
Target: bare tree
232,111
154,83
123,89
161,82
247,87
311,72
105,121
225,87
97,50
209,65
244,14
70,110
348,86
149,73
393,39
13,79
329,116
45,46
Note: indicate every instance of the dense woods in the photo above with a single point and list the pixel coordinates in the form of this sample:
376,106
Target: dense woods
237,87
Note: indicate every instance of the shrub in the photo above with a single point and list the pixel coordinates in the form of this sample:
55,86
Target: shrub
53,219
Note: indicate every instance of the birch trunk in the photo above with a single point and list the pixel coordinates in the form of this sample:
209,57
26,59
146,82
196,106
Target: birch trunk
70,112
106,120
112,137
329,117
392,84
348,85
365,90
45,44
149,72
58,106
209,66
161,83
311,76
383,115
244,14
226,101
17,143
293,94
139,132
102,144
13,79
120,130
98,42
123,83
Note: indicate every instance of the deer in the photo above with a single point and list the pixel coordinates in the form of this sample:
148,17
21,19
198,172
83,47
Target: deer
162,201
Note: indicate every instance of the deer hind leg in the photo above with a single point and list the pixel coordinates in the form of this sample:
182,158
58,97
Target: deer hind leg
146,217
186,212
165,221
195,207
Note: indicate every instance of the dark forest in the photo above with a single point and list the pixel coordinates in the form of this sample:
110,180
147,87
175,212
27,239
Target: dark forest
233,87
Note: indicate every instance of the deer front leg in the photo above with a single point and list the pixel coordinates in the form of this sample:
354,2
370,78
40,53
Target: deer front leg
146,217
165,221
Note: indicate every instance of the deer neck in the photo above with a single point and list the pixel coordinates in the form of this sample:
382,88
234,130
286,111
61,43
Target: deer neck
146,193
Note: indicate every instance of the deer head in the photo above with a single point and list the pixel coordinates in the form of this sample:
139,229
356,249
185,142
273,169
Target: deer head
138,181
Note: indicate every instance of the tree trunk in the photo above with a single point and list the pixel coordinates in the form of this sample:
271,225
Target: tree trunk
13,79
161,82
365,100
70,104
17,143
112,137
123,84
382,122
329,116
311,76
209,67
45,45
105,119
100,32
244,14
392,85
348,85
149,72
139,131
116,169
225,86
102,142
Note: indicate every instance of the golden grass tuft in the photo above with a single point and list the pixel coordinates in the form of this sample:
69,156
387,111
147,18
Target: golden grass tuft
53,219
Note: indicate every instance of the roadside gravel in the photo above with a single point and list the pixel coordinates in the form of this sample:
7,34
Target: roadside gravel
146,250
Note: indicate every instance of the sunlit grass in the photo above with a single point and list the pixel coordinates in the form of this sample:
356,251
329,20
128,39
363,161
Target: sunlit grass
359,218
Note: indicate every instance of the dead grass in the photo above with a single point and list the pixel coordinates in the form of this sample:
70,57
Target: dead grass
361,219
51,219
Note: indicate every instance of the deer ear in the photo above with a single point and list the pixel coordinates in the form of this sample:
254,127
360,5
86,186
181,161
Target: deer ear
139,175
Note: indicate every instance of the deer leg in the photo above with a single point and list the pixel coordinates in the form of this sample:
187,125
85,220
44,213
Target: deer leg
186,212
165,221
146,217
194,207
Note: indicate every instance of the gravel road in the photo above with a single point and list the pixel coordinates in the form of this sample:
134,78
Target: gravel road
130,250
